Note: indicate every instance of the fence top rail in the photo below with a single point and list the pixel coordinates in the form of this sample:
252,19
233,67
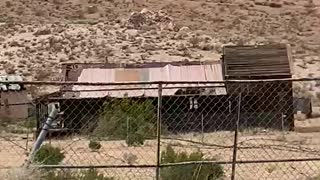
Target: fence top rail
155,82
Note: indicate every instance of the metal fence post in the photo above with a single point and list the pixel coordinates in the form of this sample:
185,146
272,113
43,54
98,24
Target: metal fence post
235,145
159,129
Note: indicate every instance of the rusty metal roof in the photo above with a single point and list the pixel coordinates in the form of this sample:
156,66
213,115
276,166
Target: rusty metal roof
243,62
168,72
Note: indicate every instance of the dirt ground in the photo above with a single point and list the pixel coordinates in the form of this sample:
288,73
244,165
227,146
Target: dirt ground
37,36
253,145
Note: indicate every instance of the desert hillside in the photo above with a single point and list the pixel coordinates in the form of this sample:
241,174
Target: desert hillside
36,36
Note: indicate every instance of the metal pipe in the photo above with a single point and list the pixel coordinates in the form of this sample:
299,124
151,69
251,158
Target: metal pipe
155,82
176,164
140,88
53,114
159,130
235,146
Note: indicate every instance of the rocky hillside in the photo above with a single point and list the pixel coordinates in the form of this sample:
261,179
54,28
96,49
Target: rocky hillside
36,36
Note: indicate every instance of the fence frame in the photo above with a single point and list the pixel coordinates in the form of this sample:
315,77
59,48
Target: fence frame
160,88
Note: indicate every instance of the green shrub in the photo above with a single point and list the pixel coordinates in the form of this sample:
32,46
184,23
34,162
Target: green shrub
60,175
188,172
94,145
93,174
49,155
30,123
126,119
90,174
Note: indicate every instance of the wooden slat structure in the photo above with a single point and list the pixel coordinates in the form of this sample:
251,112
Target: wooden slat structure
257,62
261,62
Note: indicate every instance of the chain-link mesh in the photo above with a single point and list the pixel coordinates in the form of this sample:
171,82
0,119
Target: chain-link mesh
181,130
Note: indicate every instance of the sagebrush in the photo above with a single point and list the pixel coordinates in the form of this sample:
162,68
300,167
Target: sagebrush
133,121
90,174
94,145
49,155
188,172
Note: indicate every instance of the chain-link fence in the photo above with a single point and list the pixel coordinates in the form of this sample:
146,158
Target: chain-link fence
161,130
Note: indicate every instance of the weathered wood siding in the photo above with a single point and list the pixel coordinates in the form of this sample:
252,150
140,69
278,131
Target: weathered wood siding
245,62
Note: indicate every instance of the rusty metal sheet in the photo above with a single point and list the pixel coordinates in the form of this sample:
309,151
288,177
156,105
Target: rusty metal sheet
200,73
127,75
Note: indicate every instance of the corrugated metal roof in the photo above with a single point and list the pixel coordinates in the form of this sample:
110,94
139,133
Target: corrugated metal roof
7,78
256,61
199,73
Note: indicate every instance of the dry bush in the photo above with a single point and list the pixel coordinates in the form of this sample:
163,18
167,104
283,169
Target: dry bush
89,174
42,75
104,53
45,31
271,168
78,14
9,68
188,172
186,53
222,9
49,155
194,41
58,2
206,46
310,7
40,12
92,9
37,174
130,158
8,4
299,91
275,4
20,10
94,145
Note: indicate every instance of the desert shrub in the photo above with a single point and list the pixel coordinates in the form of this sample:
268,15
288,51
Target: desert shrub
57,2
4,122
49,155
8,4
301,91
130,158
42,74
39,12
90,174
126,119
194,41
188,172
30,123
93,174
51,175
92,9
94,145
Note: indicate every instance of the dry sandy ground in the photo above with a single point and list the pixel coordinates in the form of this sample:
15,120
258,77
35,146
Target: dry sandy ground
253,145
37,35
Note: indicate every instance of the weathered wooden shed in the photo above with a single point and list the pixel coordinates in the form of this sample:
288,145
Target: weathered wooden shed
184,107
266,104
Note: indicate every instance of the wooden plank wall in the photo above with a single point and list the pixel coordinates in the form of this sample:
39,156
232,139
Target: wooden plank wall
242,62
